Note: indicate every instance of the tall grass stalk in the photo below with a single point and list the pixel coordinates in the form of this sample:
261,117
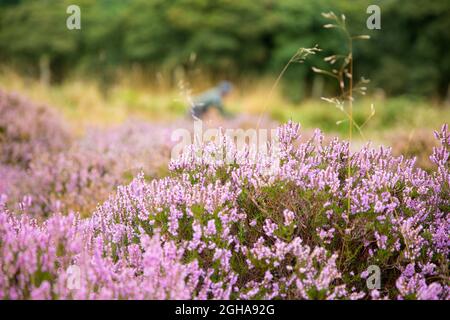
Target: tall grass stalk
345,78
298,57
343,74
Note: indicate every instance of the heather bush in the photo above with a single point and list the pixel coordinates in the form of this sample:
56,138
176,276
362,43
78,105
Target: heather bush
224,223
36,261
76,180
27,129
287,233
418,143
138,145
81,177
10,176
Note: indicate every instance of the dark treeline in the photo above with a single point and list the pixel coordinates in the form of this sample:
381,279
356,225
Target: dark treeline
228,39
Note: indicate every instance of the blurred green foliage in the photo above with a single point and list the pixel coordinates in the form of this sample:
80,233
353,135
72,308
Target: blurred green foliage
229,39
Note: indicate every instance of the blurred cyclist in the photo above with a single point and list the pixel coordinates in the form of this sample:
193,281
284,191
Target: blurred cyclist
211,99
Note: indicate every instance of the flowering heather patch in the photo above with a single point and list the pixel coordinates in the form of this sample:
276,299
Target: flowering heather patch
27,129
57,177
418,143
235,230
139,145
82,177
83,174
36,260
9,176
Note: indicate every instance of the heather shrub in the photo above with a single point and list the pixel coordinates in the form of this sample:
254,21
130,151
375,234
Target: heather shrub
10,176
224,225
287,233
80,178
27,129
418,143
76,180
36,261
136,144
